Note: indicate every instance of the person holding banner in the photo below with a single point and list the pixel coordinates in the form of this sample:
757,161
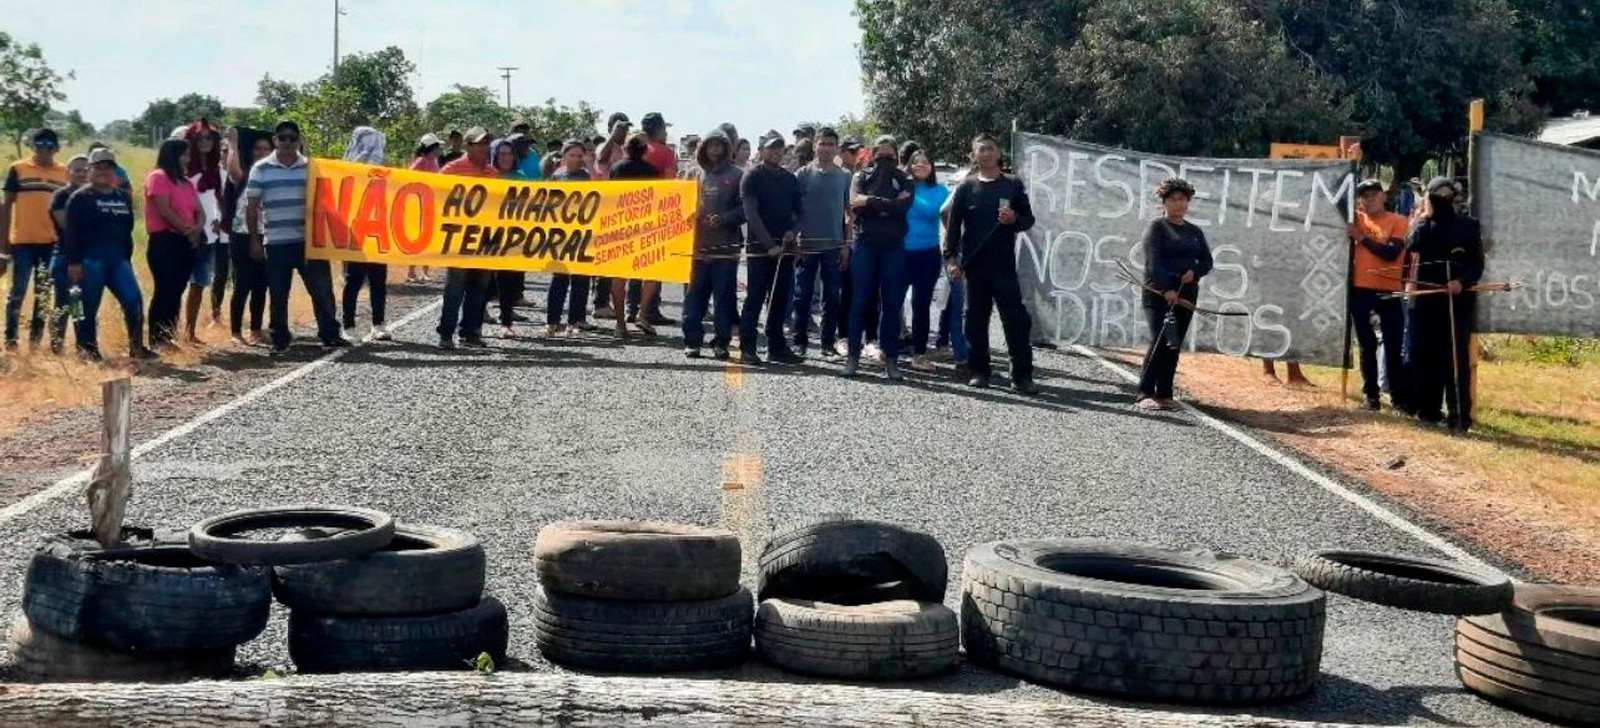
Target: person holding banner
987,211
1176,257
717,239
366,146
1446,248
772,210
1379,237
568,290
632,166
276,217
465,289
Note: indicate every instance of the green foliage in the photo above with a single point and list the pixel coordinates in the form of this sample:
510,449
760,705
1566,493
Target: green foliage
1562,350
380,86
120,130
863,128
28,86
161,116
550,120
323,112
275,96
1560,43
464,107
483,664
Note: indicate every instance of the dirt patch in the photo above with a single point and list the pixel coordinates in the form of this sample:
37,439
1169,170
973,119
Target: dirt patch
1531,500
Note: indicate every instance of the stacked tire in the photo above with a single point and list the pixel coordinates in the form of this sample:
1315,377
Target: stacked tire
1540,656
1142,622
368,595
147,611
640,597
856,599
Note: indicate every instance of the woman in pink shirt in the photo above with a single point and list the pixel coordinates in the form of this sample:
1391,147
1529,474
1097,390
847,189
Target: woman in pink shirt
425,160
176,224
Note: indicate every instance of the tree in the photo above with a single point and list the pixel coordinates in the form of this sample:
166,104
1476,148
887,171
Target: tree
274,95
1560,43
161,116
1192,77
464,107
558,121
323,112
28,87
381,85
120,130
865,129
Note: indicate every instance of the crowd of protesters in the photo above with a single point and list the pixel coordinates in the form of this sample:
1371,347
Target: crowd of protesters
836,237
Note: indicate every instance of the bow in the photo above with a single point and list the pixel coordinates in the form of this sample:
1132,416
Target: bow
1127,275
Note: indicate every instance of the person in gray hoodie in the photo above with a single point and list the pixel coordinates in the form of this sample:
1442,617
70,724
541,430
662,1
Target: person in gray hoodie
717,240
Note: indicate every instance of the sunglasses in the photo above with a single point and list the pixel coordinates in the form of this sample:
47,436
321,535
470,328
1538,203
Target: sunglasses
46,145
288,138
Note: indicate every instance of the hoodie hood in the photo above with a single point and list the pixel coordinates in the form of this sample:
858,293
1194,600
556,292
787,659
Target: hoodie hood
366,145
703,157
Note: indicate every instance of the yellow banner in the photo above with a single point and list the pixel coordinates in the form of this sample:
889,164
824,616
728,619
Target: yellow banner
640,229
1281,150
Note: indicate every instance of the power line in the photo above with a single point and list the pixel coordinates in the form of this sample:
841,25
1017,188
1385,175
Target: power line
505,73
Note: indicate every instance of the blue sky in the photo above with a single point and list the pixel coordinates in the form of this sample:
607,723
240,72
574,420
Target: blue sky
756,63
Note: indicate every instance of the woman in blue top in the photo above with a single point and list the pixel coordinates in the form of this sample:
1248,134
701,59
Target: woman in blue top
97,249
923,260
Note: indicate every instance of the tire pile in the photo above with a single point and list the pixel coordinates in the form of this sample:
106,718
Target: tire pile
146,611
856,599
1541,655
640,597
365,594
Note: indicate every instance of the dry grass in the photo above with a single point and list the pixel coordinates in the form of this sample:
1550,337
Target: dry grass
1525,484
36,383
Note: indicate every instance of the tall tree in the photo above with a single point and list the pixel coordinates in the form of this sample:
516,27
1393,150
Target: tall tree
466,106
381,83
276,95
28,86
1560,42
551,120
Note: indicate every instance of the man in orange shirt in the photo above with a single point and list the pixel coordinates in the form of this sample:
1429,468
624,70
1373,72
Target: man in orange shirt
466,289
1379,237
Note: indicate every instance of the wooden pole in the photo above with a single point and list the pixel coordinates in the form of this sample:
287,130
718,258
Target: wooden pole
1475,113
112,481
441,700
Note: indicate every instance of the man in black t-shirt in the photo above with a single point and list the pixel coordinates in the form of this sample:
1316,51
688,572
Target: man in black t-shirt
986,213
772,212
77,176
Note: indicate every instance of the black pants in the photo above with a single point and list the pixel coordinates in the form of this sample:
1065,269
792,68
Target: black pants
990,288
249,285
376,276
1391,321
766,278
1436,375
602,292
508,285
171,260
283,261
222,255
1161,361
567,292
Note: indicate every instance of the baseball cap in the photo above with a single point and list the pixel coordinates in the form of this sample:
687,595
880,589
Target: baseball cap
1437,182
805,130
654,120
850,143
430,140
772,139
476,135
518,120
618,118
1368,186
102,155
45,136
885,139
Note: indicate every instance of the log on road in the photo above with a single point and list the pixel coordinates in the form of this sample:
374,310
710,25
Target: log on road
447,700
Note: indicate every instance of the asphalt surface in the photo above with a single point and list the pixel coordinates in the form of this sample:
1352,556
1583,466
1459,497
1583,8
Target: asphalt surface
503,441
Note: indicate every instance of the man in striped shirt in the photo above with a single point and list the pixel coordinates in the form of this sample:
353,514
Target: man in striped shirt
275,215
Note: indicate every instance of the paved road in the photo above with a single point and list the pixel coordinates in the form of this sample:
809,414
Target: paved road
505,441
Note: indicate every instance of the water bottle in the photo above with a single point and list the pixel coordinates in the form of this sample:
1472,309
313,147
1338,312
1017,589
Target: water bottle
1171,336
75,303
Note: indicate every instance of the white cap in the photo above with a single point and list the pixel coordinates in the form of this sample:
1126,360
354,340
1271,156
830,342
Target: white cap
181,132
430,140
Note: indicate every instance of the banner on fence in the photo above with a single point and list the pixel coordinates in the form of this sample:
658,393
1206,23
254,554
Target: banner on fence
1276,230
1540,208
639,229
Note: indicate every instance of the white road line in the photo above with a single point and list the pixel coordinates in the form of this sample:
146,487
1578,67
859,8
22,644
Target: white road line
74,483
1298,468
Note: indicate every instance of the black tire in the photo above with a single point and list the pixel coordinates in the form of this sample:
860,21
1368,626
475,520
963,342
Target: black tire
643,637
894,640
1190,626
822,558
361,531
637,560
329,643
38,656
423,570
154,598
1407,582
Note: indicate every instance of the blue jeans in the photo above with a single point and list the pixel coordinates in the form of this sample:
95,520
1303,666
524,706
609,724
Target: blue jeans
117,275
812,267
282,263
25,261
766,278
880,269
952,321
708,278
922,274
465,295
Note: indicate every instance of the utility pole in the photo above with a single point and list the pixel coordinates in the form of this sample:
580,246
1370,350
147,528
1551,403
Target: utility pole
505,73
337,11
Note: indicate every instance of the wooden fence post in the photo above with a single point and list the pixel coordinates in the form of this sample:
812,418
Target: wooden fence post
113,479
